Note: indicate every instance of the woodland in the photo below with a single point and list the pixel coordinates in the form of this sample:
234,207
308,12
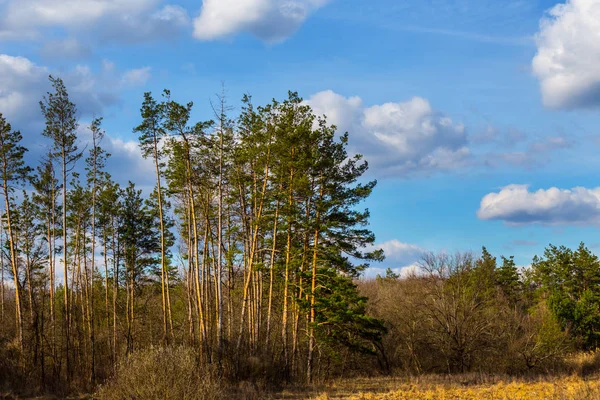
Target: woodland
242,271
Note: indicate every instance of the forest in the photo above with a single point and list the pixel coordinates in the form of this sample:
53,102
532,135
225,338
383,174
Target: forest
242,271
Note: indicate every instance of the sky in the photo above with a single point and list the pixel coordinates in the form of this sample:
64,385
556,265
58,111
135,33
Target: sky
478,117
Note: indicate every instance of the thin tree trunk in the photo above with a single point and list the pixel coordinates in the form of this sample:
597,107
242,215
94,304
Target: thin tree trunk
311,339
14,265
65,267
163,261
286,282
271,277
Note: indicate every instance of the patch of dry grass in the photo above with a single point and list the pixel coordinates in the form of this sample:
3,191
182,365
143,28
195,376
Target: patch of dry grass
464,387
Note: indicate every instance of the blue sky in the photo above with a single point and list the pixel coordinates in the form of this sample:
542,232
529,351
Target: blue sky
478,117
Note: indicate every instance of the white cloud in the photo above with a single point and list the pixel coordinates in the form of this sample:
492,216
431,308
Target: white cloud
20,81
399,254
569,54
126,162
69,12
119,20
137,77
404,272
397,138
164,23
24,83
516,205
270,20
402,258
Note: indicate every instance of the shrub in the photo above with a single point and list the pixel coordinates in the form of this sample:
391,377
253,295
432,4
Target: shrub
163,373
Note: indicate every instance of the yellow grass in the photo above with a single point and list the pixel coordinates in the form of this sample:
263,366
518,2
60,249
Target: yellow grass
571,388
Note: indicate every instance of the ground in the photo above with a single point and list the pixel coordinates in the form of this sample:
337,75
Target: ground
465,388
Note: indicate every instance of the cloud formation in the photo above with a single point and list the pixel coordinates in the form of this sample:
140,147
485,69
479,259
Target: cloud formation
399,253
402,258
19,80
122,21
126,162
517,205
137,77
397,138
269,20
568,55
23,83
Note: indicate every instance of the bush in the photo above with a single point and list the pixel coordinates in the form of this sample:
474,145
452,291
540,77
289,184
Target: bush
163,373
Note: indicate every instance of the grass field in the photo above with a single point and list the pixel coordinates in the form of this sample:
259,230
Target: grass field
465,387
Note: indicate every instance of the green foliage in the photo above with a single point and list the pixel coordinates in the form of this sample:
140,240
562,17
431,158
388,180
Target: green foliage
509,280
342,320
60,114
138,234
13,169
569,280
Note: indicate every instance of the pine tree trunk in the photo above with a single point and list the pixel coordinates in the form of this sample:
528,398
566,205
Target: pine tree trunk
14,265
271,278
163,261
67,319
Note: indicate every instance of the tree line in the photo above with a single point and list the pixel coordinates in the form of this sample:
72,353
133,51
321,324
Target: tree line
244,259
246,249
467,312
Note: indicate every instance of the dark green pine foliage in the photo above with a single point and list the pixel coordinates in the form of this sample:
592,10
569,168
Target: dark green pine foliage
151,213
13,172
342,319
570,281
60,114
341,233
33,255
509,280
139,237
46,190
344,227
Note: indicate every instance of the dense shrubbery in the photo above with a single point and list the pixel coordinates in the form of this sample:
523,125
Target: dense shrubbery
461,313
164,373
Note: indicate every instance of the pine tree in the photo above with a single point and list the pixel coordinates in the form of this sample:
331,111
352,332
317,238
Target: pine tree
152,132
14,172
61,127
339,229
140,246
95,164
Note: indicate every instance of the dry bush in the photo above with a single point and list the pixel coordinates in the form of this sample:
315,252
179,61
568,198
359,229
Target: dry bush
10,376
163,373
453,318
584,363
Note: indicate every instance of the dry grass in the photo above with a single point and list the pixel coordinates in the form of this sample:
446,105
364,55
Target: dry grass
467,387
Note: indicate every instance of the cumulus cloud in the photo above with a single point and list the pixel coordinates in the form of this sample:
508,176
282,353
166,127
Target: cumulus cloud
397,138
269,20
20,82
123,21
568,55
68,12
517,205
137,77
163,23
399,253
23,83
402,258
126,162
